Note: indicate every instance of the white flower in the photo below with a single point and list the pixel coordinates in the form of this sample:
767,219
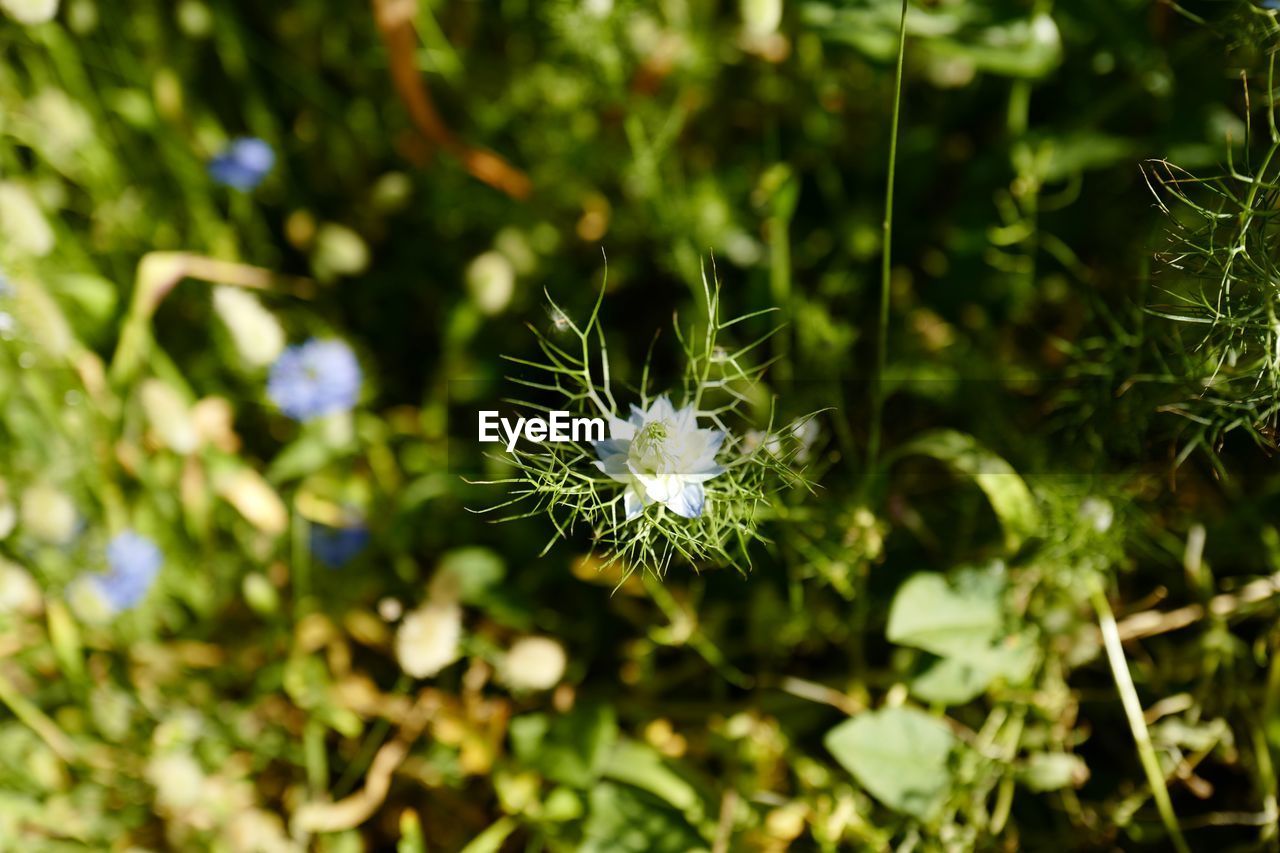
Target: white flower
427,640
661,456
533,663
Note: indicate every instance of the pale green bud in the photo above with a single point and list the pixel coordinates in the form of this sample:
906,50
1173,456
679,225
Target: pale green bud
491,281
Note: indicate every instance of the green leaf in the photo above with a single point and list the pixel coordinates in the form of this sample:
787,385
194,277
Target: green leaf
900,755
626,820
476,569
956,680
1012,501
570,748
946,617
1028,47
490,841
1053,771
641,765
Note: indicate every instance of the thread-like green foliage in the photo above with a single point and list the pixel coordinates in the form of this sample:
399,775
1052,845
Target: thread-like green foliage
1222,274
561,482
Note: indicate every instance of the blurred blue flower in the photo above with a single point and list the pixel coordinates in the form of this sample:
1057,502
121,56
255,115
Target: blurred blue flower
244,164
337,546
5,287
314,379
133,561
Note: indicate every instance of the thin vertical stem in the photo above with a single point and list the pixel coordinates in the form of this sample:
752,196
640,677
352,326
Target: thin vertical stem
886,261
1137,723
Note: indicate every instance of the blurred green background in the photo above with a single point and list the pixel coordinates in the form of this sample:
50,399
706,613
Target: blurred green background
916,658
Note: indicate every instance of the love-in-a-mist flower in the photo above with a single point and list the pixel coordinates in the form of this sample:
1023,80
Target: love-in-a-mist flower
315,379
337,546
244,164
662,457
133,561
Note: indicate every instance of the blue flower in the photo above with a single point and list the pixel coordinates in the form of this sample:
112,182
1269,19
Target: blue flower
133,561
244,164
6,289
314,379
337,546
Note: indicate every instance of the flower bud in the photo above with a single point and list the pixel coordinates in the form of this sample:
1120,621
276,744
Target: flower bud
427,640
260,594
254,330
533,663
339,251
491,281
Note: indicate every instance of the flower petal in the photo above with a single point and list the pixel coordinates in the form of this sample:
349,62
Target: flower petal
687,503
661,410
611,447
616,467
706,472
621,430
633,503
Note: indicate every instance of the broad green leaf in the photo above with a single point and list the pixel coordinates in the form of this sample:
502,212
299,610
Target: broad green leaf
569,748
956,680
641,765
475,569
490,841
1012,501
900,755
946,617
627,820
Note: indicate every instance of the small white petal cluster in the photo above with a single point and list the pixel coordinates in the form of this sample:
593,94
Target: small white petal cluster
662,457
533,663
427,640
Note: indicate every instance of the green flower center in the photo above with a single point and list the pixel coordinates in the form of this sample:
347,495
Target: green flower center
648,448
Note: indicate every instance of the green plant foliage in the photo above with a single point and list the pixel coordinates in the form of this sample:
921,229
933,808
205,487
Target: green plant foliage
938,344
900,755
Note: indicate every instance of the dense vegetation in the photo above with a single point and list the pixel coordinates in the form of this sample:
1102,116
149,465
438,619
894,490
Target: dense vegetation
985,556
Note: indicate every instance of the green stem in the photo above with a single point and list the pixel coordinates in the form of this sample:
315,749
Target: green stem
886,261
1137,723
36,720
696,639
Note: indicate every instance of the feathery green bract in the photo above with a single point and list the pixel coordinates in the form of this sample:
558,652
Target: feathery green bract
561,482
